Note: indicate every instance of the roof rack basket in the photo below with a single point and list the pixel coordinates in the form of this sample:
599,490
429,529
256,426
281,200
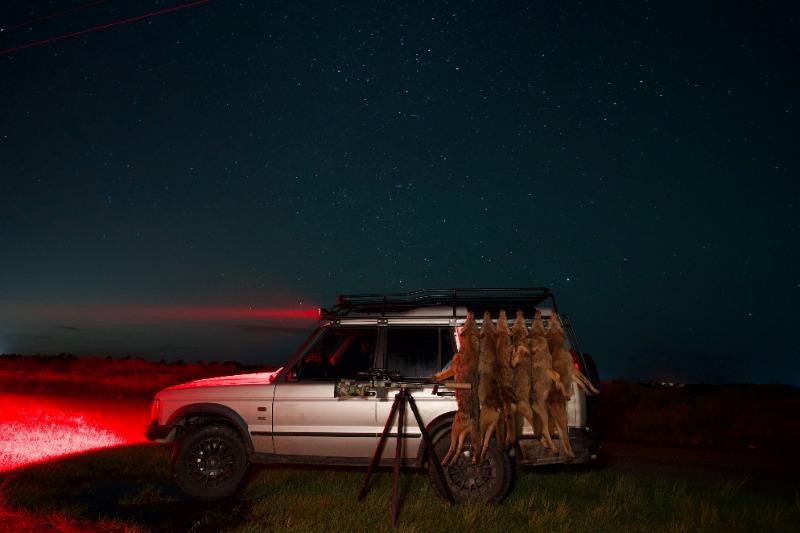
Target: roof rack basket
474,299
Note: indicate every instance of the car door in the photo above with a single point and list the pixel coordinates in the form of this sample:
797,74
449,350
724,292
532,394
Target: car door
415,352
308,418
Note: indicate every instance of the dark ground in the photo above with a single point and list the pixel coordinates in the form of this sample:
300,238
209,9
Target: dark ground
773,474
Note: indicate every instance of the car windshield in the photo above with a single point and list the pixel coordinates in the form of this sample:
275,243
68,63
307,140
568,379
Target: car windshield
339,353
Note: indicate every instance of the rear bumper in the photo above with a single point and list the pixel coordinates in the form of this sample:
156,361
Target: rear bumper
157,433
584,441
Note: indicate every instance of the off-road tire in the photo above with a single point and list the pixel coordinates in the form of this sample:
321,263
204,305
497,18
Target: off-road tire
488,482
210,462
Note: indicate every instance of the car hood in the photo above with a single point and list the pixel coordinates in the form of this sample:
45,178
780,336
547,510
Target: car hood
256,378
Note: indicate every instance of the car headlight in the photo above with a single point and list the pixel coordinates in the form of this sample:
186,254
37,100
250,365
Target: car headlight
155,407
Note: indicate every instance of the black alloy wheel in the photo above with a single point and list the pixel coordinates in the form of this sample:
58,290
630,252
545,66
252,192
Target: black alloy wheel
489,481
210,462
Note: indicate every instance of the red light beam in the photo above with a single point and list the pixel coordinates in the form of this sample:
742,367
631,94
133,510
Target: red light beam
136,312
104,26
223,313
54,15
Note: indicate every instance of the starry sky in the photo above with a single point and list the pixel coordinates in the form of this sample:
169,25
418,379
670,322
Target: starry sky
161,179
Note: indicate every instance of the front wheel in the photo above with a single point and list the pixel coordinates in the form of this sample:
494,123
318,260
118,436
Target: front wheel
210,462
488,482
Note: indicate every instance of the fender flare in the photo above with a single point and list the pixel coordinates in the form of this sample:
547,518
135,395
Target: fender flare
217,411
441,423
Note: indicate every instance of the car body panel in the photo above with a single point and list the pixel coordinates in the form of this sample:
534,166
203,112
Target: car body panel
310,420
248,395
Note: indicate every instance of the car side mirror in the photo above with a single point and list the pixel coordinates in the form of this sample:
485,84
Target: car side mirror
294,374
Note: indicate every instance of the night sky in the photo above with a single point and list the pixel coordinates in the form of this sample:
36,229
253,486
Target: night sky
161,177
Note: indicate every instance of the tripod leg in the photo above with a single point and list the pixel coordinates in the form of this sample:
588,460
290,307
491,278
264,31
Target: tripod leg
431,451
376,457
402,396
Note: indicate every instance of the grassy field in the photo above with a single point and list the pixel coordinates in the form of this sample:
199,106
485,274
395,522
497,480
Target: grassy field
128,489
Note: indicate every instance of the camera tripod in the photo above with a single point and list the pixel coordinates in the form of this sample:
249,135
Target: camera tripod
402,398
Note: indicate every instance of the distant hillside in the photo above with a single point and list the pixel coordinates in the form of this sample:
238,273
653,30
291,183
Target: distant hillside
734,416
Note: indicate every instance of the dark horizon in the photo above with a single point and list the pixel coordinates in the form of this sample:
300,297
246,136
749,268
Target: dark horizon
639,160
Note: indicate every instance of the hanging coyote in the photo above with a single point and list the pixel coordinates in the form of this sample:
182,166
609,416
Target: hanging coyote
464,368
488,383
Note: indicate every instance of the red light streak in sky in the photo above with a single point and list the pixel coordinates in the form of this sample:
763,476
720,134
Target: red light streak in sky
103,26
56,14
221,313
139,312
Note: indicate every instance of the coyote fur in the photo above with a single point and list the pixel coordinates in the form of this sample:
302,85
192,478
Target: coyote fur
508,393
464,368
488,386
545,381
555,337
523,369
563,365
583,382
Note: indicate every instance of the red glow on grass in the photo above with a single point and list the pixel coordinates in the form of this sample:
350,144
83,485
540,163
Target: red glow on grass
37,428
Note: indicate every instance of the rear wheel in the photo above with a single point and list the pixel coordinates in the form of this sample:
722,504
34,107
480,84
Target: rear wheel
210,462
488,482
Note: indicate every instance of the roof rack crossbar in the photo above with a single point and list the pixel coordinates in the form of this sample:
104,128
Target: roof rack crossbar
465,297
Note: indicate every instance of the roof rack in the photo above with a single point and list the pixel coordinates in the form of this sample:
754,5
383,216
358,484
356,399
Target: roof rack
476,300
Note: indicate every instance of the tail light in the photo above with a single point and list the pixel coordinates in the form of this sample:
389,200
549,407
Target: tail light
574,355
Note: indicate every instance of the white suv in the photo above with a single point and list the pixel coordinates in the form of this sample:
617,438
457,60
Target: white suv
295,415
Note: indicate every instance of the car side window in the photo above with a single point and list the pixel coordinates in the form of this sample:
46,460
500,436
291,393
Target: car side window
339,353
447,344
417,352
